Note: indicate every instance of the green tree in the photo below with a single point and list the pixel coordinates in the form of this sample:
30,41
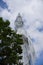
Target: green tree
10,45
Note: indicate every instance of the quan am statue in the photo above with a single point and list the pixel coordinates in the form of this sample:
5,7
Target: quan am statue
28,50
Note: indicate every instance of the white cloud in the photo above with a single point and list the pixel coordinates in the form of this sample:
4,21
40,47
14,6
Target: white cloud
32,11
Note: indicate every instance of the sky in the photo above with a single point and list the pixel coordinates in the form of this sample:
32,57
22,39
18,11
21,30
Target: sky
32,14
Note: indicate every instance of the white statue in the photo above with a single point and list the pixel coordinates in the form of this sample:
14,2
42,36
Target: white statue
28,50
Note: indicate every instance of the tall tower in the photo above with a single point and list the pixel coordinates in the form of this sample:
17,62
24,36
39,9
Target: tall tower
28,50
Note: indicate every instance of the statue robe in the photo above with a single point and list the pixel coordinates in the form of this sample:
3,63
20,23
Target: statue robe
28,50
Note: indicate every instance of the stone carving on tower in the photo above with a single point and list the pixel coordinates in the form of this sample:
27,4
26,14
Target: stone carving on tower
28,50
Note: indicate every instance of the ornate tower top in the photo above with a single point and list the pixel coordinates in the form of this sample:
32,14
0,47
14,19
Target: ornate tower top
19,21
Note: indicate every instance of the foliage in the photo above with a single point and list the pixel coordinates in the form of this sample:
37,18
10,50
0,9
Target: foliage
10,45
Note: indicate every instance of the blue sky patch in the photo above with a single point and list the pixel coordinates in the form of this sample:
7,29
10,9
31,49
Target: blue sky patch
39,61
33,40
40,29
3,4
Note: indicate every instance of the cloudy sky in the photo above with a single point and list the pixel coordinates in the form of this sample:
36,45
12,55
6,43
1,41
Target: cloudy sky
32,14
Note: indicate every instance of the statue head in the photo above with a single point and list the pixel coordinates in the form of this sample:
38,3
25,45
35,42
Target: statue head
19,21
